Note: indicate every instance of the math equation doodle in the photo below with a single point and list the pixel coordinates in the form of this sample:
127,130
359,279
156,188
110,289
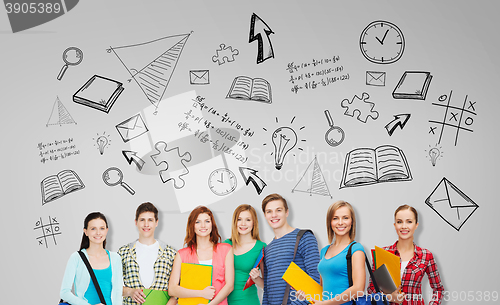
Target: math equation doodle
454,117
47,231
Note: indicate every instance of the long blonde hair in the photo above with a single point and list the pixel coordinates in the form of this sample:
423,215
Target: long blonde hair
235,236
329,216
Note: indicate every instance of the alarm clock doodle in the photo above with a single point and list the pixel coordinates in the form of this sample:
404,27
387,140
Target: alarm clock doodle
222,181
382,42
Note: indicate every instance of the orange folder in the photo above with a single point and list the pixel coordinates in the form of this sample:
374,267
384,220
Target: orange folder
195,276
300,280
391,261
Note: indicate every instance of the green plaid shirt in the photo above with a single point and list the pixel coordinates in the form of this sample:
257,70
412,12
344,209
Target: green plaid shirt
162,268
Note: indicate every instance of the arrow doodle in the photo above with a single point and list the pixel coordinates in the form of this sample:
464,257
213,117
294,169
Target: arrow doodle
258,26
250,175
399,120
131,156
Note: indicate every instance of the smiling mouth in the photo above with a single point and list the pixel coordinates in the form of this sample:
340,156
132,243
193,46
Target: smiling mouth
274,220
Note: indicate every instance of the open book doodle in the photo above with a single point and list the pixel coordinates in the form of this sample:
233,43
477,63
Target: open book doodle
246,88
56,186
365,166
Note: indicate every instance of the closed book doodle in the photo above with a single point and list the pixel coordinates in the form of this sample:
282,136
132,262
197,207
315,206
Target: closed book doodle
99,93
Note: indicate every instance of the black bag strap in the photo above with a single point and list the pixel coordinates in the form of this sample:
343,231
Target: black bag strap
92,275
349,271
299,236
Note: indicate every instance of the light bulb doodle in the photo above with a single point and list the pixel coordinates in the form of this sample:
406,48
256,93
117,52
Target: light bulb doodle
284,139
434,154
102,142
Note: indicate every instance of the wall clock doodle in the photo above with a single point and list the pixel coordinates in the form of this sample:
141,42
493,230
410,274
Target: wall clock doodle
382,42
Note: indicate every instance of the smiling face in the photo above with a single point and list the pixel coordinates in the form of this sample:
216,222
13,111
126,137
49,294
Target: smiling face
342,221
203,225
405,224
146,224
245,223
96,231
276,214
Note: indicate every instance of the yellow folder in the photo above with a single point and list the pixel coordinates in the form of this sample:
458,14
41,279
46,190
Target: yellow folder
195,276
300,280
391,261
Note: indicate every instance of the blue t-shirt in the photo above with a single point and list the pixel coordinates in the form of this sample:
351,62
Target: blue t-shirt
277,257
104,279
334,271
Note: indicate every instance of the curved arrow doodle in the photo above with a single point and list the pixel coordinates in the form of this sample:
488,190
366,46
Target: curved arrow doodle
399,120
258,26
131,156
250,175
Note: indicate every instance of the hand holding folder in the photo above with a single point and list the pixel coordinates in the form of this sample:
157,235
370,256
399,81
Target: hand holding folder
197,277
250,282
300,280
391,261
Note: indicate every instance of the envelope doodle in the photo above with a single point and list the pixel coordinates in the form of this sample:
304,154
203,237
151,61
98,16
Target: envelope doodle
362,106
170,157
374,78
132,128
199,77
451,204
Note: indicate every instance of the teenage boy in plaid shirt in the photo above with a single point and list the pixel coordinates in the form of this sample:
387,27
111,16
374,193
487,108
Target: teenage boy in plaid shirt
147,262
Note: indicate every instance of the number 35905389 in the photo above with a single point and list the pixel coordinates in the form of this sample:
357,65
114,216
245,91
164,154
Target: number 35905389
33,8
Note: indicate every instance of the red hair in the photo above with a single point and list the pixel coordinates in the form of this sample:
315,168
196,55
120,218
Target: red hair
190,239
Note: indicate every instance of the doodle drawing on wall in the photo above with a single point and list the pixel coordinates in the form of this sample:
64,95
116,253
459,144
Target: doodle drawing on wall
259,29
284,140
250,89
313,181
362,106
199,77
413,85
50,230
99,93
453,116
131,156
151,64
382,42
59,115
72,56
56,186
335,135
169,157
364,166
434,153
250,175
375,78
224,54
114,176
399,120
132,128
102,141
222,181
451,204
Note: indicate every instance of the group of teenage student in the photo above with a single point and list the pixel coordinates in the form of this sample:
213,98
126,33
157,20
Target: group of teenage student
150,263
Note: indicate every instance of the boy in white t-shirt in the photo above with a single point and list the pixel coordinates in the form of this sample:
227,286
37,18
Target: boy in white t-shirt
147,262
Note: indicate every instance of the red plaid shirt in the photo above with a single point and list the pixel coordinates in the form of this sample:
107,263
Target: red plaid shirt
411,281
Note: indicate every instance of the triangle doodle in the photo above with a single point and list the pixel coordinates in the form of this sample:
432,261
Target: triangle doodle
59,114
313,181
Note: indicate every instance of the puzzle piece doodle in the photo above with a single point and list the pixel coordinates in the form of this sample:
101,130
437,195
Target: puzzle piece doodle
361,106
170,157
225,54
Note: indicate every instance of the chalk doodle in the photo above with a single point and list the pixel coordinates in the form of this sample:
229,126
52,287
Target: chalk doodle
335,135
168,157
284,139
362,106
400,121
99,93
57,150
199,77
451,204
47,231
375,78
72,56
413,85
63,183
131,128
59,115
224,54
102,141
250,89
259,29
113,176
222,181
434,153
313,181
382,42
131,156
250,175
152,63
364,166
454,116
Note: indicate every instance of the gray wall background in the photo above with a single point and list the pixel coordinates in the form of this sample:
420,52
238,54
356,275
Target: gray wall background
454,40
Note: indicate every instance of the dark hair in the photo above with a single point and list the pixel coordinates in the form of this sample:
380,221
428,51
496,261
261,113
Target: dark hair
407,207
272,197
85,239
146,207
190,239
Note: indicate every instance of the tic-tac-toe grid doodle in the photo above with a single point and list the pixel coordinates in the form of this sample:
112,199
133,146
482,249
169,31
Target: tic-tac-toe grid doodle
47,231
456,118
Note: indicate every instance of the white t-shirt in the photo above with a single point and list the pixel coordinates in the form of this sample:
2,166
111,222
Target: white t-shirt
207,262
146,258
403,267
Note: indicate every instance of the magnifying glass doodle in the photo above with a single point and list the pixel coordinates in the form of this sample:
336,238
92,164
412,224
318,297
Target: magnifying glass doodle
72,56
114,176
335,135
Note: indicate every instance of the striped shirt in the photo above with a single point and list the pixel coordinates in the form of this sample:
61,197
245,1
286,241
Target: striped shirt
277,257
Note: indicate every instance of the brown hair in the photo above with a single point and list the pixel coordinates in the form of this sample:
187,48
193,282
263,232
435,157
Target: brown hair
235,236
146,207
85,239
272,197
190,239
329,216
407,207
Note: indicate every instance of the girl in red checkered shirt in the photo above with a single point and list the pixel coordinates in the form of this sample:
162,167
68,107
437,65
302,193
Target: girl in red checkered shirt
415,262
